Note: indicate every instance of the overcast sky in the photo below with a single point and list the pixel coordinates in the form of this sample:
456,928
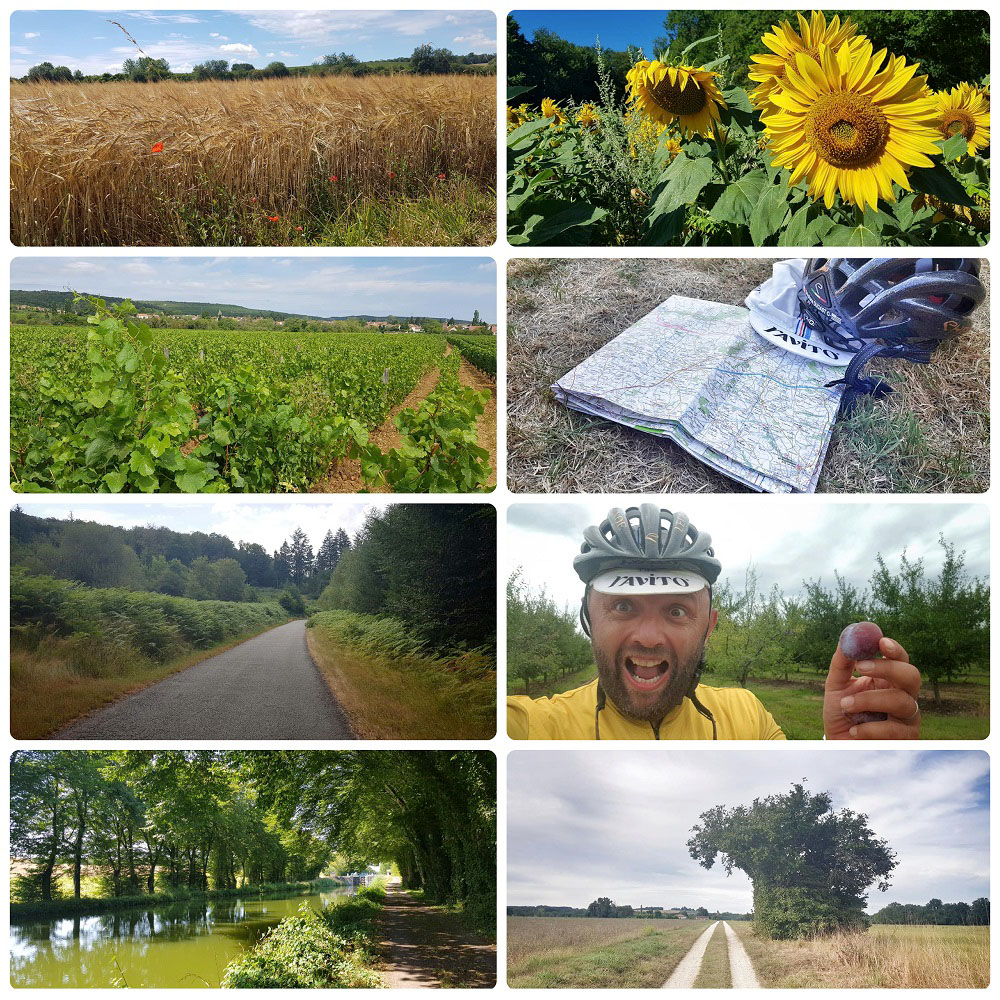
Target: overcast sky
787,543
603,822
269,524
450,287
86,40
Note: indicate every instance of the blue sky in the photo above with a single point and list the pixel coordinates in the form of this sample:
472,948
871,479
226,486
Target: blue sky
86,40
617,29
268,524
614,822
328,286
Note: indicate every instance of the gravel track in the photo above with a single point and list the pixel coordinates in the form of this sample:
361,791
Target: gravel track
740,967
683,977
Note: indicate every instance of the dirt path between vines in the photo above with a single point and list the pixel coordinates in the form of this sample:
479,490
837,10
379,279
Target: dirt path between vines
427,948
486,425
345,477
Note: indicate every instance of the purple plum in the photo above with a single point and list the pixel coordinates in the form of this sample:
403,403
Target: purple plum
859,641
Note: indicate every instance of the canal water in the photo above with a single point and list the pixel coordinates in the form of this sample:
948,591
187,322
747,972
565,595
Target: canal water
178,945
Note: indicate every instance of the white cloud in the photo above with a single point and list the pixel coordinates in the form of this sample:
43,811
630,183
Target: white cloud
215,34
615,822
477,42
289,55
317,26
240,47
31,34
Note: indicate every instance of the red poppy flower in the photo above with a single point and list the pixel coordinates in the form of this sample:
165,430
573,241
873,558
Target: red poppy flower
272,218
333,178
253,201
440,177
391,175
299,228
157,147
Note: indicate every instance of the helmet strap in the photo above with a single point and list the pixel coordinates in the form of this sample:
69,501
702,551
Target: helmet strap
856,386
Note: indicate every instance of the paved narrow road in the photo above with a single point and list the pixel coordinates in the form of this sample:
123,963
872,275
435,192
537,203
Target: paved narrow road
741,973
265,688
426,948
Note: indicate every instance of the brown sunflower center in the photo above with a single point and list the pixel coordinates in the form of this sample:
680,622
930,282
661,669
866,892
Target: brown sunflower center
846,130
958,122
670,97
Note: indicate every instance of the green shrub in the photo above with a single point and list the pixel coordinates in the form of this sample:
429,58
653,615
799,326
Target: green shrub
790,912
335,948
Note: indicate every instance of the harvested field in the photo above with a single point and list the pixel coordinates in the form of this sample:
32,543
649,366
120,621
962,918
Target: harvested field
887,956
930,435
250,162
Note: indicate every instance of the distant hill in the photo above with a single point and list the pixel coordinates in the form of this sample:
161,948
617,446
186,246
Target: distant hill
63,302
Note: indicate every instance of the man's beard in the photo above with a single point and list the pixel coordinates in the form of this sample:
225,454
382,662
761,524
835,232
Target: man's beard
678,685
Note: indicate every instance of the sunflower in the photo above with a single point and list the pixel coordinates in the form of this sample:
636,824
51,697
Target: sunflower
552,110
587,116
843,125
784,42
964,111
682,94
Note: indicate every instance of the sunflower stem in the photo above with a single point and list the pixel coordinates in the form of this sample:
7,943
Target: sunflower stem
722,153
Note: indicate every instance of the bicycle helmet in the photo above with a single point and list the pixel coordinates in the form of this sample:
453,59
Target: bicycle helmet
899,302
646,550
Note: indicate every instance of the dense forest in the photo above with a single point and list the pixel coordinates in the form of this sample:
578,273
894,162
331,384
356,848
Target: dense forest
129,824
553,67
199,565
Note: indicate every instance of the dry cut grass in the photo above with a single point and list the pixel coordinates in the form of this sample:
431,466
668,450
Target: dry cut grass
595,952
930,435
886,956
236,152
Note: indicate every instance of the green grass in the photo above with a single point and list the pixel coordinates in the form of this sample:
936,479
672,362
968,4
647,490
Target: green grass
641,962
714,972
555,685
797,707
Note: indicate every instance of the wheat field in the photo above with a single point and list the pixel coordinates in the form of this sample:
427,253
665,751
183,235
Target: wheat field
242,162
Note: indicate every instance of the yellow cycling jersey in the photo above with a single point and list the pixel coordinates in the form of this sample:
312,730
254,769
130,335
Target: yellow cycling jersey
574,716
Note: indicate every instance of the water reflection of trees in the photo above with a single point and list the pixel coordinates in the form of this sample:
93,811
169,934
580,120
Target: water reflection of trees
80,951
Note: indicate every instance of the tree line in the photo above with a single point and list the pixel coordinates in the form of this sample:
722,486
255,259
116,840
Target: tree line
432,566
425,60
147,820
199,565
923,36
974,914
941,618
553,67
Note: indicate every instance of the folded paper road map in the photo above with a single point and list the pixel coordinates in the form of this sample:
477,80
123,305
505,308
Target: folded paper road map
695,372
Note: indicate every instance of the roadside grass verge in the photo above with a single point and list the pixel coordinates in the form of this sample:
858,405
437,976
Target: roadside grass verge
62,679
886,956
595,953
22,912
335,948
714,971
392,687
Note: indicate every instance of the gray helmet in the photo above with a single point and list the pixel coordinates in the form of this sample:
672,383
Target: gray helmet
646,537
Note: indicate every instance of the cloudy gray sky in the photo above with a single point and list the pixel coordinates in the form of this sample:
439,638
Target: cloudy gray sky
786,542
269,524
603,822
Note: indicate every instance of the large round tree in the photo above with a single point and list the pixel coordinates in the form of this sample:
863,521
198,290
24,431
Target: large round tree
810,866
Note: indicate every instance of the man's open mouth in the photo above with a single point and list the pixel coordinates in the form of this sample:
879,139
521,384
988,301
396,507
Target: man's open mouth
646,673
